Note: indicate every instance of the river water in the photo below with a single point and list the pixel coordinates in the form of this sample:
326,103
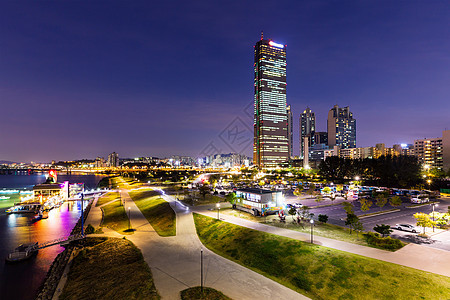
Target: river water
22,280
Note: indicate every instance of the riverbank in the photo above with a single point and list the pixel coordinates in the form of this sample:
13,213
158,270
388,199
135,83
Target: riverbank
48,287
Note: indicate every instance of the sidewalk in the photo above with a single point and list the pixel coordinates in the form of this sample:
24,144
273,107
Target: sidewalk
175,261
412,255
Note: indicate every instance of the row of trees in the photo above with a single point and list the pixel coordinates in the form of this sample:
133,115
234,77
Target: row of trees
390,171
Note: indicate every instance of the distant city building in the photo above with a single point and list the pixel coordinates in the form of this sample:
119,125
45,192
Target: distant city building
177,160
99,162
271,145
227,160
290,131
341,128
430,152
113,160
307,129
446,150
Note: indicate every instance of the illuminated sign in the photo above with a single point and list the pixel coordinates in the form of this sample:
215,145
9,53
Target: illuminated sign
273,44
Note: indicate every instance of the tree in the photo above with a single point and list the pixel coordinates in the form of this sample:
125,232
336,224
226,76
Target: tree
424,220
365,204
304,213
352,221
381,200
231,197
297,192
348,207
383,229
204,190
319,198
395,201
323,218
358,226
292,211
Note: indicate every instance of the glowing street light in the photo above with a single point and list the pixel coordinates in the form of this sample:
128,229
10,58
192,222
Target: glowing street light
312,225
218,209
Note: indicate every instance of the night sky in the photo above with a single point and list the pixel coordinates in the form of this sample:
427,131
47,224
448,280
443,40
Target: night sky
82,79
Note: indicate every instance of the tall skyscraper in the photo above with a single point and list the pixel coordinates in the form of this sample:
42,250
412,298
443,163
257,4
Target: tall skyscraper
290,131
307,129
271,145
341,128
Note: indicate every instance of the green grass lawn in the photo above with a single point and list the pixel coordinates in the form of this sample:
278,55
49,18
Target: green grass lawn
195,293
315,271
326,230
7,203
112,269
156,210
115,217
107,198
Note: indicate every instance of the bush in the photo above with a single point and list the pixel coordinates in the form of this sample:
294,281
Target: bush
323,218
89,229
388,243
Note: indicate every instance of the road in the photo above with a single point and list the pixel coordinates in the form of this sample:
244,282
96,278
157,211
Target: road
336,214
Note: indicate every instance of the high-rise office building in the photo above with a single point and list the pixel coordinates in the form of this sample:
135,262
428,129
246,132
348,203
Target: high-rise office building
341,128
113,160
271,145
307,129
290,131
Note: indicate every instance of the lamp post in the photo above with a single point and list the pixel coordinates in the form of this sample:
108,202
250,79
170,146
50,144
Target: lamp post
218,209
201,269
433,205
82,215
129,218
312,224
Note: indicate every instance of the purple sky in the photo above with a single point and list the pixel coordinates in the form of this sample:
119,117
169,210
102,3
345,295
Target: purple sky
83,79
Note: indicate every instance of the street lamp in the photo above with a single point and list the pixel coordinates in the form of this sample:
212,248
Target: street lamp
201,268
312,224
433,205
129,218
218,209
82,215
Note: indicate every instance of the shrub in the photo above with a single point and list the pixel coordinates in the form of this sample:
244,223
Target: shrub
323,218
388,243
89,229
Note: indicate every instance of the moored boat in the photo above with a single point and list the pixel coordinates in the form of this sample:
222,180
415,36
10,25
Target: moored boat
23,252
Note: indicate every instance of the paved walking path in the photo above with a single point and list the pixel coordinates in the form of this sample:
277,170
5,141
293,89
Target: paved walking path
175,261
412,255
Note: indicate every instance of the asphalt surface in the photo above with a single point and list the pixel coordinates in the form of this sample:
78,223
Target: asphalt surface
439,239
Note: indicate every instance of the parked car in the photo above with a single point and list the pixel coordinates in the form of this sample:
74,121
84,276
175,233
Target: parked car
298,205
406,227
421,198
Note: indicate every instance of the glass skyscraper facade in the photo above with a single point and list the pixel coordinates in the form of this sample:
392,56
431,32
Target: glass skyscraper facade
307,129
271,144
341,128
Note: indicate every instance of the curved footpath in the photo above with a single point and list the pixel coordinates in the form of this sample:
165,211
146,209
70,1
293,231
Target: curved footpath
175,261
412,255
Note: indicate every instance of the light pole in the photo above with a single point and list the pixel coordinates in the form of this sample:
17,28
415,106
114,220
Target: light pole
433,205
129,218
218,209
201,269
312,224
82,215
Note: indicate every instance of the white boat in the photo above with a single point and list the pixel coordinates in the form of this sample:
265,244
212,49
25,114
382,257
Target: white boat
24,208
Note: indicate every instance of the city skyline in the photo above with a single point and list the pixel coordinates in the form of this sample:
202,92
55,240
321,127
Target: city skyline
80,81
